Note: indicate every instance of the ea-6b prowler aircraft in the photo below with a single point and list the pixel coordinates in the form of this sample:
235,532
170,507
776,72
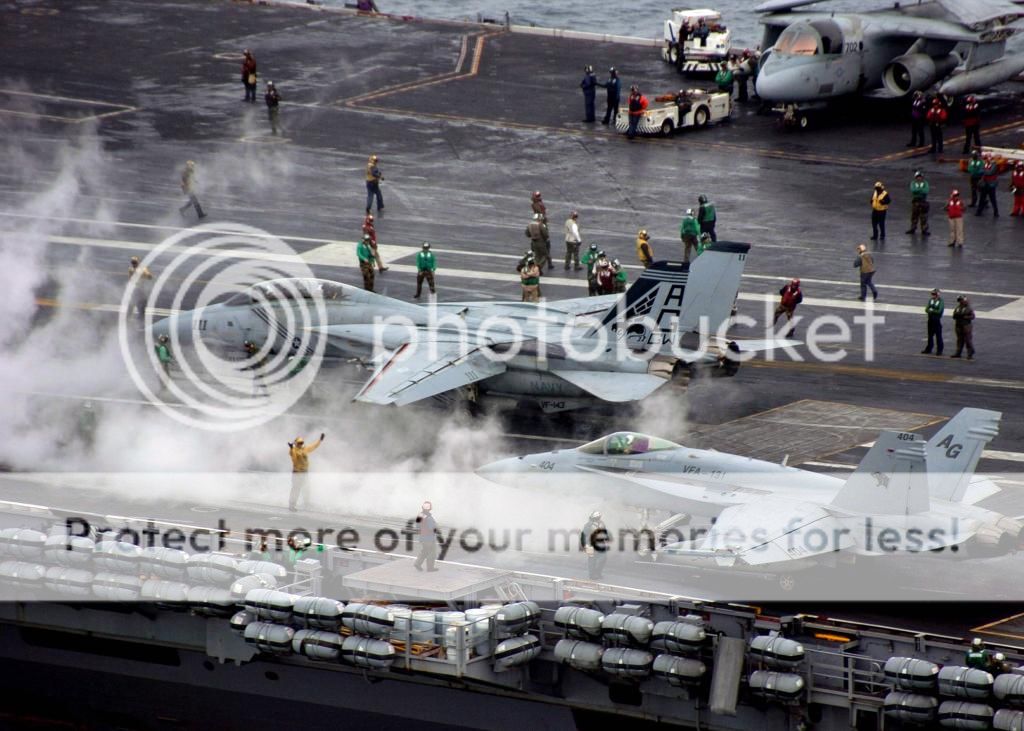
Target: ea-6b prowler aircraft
814,56
906,496
560,355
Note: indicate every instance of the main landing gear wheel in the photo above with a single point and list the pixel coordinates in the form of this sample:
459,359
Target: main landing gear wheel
803,121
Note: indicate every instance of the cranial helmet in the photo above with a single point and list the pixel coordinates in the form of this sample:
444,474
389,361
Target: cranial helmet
593,247
702,199
689,211
426,246
596,515
427,505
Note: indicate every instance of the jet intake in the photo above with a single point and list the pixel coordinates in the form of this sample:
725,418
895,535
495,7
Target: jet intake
917,71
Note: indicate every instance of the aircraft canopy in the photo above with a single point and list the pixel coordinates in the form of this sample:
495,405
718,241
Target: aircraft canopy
627,443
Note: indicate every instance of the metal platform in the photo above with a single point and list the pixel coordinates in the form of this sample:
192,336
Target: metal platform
399,578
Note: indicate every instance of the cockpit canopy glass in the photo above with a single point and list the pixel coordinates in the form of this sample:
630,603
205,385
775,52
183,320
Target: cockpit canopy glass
278,290
798,40
627,443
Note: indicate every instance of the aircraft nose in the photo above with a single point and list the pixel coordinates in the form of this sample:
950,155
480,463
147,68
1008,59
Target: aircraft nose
505,471
781,82
178,325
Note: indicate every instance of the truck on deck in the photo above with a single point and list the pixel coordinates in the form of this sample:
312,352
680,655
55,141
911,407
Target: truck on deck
685,108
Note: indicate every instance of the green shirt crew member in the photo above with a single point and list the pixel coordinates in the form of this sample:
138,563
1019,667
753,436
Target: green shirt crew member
163,355
934,310
919,204
724,79
975,168
620,276
426,264
689,231
364,252
977,656
706,217
589,259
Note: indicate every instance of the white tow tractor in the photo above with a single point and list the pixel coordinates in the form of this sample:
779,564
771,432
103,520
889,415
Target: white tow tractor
686,108
700,55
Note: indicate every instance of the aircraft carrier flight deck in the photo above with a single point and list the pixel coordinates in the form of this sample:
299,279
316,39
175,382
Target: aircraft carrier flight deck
102,104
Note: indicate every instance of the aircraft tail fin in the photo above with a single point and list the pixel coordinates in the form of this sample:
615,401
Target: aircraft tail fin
890,480
954,451
671,298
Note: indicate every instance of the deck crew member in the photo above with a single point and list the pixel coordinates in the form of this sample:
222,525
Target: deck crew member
706,216
936,117
299,453
644,251
364,252
373,179
426,265
140,278
529,276
689,230
370,228
273,99
637,106
594,542
249,75
918,110
540,241
963,326
989,183
972,123
919,190
955,212
866,263
880,201
589,262
572,241
614,88
934,310
427,529
589,86
975,169
621,277
789,297
188,187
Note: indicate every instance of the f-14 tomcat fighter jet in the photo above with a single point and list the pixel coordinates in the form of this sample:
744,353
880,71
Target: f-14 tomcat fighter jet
906,496
559,355
817,55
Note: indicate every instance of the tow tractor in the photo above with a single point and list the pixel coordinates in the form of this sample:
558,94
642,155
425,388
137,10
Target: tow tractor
799,115
685,108
699,57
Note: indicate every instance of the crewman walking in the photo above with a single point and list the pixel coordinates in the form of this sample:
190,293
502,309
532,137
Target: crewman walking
589,86
249,75
364,252
299,453
188,187
614,88
689,230
540,241
605,277
373,179
529,276
426,264
934,310
866,263
273,99
706,217
427,530
594,542
963,325
644,250
919,189
789,297
572,241
955,213
880,201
